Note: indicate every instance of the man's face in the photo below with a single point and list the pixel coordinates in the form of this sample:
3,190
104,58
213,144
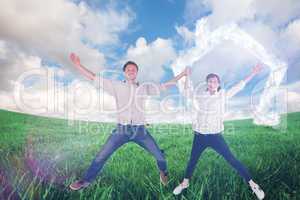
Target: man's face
213,84
131,72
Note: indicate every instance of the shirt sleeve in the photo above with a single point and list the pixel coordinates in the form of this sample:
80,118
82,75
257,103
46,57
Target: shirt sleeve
106,84
188,89
235,89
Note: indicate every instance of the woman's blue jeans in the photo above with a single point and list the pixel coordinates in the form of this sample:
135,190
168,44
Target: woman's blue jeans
216,142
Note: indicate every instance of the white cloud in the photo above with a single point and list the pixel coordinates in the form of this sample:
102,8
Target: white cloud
277,12
35,30
293,96
293,102
271,12
230,11
290,39
293,31
294,87
103,27
7,101
52,29
13,64
272,23
187,35
79,101
47,97
220,12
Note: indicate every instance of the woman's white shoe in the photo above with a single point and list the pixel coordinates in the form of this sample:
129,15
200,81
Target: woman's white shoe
257,191
179,189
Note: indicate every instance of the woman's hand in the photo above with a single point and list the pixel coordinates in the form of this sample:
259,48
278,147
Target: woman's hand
75,59
257,68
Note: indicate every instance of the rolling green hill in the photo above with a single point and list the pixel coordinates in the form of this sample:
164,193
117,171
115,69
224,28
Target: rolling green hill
61,151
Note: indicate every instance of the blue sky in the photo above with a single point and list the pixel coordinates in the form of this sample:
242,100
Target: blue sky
157,34
152,20
155,19
159,19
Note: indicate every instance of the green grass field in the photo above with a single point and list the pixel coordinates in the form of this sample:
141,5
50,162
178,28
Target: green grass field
272,156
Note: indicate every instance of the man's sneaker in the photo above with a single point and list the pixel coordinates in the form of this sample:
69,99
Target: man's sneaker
163,178
257,190
180,188
77,185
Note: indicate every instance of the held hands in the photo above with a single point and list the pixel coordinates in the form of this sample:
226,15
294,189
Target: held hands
173,81
75,59
187,71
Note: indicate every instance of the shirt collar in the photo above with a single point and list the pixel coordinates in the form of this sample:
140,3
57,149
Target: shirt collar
216,93
136,83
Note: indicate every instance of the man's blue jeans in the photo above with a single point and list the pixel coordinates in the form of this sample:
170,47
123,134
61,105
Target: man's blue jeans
119,136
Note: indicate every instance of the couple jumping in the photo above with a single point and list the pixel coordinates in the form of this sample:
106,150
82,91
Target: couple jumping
207,127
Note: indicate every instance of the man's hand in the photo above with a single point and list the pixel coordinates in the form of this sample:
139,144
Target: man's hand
83,70
75,59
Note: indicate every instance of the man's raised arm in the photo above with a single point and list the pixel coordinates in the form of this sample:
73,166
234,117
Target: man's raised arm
98,81
155,89
174,80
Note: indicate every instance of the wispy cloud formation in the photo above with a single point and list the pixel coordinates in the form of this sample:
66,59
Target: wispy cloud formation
37,31
270,23
52,29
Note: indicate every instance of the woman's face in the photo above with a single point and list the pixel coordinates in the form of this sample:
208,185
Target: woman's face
213,84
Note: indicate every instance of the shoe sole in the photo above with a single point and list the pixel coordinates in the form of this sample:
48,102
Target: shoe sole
76,189
180,191
162,182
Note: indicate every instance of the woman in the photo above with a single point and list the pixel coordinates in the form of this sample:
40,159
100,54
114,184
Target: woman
208,126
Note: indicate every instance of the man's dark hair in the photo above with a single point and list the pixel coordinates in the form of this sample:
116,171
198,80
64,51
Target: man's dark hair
213,76
130,63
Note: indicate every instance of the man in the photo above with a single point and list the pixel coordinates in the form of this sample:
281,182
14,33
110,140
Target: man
129,99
